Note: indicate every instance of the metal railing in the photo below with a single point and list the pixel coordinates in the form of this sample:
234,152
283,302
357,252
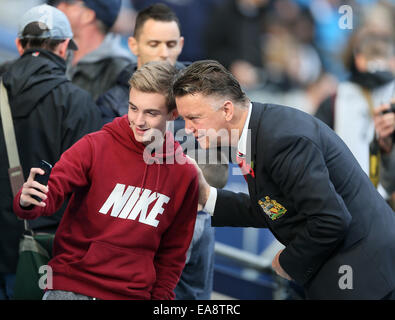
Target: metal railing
256,262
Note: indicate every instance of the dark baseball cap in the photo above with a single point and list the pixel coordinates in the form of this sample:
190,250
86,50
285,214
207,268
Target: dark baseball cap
54,23
106,10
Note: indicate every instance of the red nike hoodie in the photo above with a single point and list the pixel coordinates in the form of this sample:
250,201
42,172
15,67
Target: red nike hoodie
128,224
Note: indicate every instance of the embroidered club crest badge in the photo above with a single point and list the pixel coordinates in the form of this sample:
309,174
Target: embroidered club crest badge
272,208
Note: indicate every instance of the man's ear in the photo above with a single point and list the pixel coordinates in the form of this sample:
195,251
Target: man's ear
19,46
133,46
88,16
228,109
61,49
181,44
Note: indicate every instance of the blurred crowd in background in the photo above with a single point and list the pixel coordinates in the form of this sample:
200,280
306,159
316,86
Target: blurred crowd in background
290,52
284,51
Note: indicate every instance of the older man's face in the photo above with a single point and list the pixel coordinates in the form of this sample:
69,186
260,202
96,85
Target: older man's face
203,119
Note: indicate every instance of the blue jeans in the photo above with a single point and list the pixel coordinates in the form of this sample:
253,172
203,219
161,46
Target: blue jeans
196,281
7,281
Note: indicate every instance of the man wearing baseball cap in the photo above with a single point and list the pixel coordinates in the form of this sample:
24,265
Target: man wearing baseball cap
54,25
100,57
49,115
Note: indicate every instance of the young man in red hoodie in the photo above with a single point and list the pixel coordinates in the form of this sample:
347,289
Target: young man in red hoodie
131,215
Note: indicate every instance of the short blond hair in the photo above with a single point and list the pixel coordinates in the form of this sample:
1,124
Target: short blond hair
155,77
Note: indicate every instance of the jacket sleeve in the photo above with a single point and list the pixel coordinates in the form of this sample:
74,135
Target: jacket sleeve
235,210
300,170
171,255
326,111
69,173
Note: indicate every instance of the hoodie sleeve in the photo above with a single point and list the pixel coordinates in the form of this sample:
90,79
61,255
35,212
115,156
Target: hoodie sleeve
170,258
68,174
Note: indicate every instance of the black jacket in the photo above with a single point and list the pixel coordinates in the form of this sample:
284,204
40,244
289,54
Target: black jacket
50,114
334,216
231,35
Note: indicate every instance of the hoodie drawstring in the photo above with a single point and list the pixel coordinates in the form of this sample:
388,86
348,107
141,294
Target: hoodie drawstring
145,177
157,178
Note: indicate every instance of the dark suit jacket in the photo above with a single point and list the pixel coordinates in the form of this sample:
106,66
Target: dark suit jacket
334,216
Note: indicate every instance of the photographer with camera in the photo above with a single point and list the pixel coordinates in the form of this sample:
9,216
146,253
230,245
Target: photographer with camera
351,111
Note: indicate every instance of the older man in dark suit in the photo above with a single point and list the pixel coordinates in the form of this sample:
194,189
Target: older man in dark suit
304,185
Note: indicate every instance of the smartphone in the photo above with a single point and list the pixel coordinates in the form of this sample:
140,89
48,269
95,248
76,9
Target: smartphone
43,179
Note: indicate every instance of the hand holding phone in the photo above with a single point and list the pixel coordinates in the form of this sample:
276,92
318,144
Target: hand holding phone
43,179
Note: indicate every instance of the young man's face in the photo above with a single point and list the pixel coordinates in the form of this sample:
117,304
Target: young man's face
148,115
206,123
157,41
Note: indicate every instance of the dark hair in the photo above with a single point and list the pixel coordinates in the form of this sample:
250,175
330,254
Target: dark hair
31,37
208,77
155,77
158,12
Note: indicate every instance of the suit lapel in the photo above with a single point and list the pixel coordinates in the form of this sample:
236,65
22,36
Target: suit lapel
256,118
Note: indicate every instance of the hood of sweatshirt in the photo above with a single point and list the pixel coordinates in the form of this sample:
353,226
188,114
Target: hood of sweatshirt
36,73
167,154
